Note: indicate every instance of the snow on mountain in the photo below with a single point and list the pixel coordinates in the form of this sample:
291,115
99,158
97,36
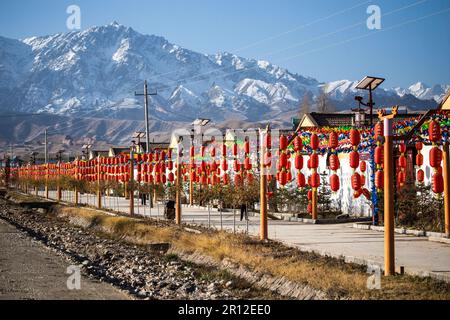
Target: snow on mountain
95,73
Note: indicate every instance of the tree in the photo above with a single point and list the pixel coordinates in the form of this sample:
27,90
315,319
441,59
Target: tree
323,103
305,106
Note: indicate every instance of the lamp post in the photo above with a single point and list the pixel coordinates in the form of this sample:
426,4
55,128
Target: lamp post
369,83
131,182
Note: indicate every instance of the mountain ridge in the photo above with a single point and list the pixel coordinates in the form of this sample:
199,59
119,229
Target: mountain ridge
95,73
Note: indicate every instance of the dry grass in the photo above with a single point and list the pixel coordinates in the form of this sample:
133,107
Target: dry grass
333,276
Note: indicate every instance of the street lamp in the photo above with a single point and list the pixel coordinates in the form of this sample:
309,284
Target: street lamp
368,83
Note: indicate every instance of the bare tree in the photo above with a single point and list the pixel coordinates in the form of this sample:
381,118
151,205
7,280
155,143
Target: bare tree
305,106
323,103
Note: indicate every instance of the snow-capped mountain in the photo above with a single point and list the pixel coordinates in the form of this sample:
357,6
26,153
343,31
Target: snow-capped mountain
96,72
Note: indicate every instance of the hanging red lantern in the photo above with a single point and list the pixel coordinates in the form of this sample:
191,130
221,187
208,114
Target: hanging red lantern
301,181
419,145
354,159
402,161
283,160
283,142
378,130
362,179
247,147
419,159
379,179
420,175
298,161
314,141
315,180
309,195
334,182
356,181
333,140
438,183
334,162
379,155
171,177
268,141
235,149
282,178
402,147
435,157
363,166
298,144
355,137
314,161
434,131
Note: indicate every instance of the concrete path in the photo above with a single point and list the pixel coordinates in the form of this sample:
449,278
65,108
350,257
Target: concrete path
418,255
28,270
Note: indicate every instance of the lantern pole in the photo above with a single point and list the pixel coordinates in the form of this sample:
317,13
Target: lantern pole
76,181
178,189
46,180
99,192
131,182
446,172
389,245
58,187
314,201
263,232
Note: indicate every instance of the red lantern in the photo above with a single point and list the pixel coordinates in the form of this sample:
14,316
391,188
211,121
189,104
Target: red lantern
268,141
333,140
301,181
419,145
247,164
402,147
235,149
314,141
363,166
419,159
356,181
379,179
435,157
354,159
362,179
298,161
334,182
434,131
171,177
379,155
283,142
298,144
247,147
420,175
283,160
314,161
282,178
355,137
402,161
334,162
315,180
378,130
438,183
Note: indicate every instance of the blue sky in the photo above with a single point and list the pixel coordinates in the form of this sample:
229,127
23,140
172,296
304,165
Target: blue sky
325,39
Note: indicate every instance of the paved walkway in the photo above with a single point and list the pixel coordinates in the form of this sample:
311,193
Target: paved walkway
28,270
418,255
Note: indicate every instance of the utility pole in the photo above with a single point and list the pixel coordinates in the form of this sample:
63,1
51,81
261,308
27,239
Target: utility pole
146,94
45,148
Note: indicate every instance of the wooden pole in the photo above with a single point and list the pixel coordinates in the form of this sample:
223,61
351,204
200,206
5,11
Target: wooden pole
46,180
263,232
99,191
389,247
76,178
58,186
191,188
446,171
178,191
130,186
314,201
